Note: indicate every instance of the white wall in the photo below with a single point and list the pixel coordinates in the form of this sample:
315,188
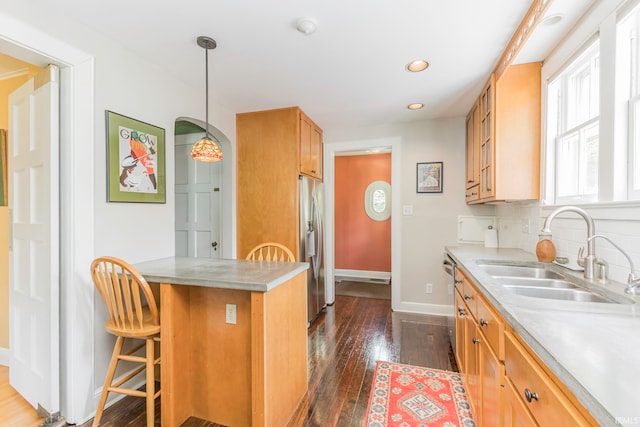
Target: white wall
122,83
433,224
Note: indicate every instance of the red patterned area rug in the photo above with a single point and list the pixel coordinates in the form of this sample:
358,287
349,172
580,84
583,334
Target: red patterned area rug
410,396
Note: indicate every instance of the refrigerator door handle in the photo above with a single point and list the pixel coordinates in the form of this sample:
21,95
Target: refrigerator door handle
318,240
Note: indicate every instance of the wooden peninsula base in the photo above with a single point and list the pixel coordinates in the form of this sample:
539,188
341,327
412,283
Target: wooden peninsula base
251,373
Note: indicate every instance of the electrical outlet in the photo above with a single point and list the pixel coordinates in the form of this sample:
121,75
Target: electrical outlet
450,289
526,226
231,314
429,288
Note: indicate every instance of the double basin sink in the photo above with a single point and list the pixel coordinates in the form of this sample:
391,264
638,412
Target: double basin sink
539,281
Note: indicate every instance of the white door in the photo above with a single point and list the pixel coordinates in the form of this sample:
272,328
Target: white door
197,191
34,254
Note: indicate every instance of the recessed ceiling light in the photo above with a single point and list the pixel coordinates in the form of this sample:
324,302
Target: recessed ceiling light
415,106
419,65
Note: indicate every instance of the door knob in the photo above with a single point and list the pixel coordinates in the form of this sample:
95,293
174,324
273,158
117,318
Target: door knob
214,245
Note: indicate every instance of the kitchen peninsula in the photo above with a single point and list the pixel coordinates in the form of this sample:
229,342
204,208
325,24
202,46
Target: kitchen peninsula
234,339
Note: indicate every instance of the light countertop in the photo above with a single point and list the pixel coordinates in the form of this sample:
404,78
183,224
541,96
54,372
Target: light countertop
258,276
593,348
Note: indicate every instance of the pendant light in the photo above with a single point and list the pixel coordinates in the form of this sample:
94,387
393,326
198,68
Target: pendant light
206,149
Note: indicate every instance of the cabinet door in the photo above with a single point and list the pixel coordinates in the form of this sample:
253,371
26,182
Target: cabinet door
473,374
546,402
461,315
491,373
473,153
515,414
310,148
487,139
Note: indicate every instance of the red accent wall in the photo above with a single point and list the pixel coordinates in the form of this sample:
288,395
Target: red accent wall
360,242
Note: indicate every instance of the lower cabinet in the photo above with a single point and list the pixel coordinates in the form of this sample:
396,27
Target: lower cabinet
515,412
506,383
491,382
479,344
537,391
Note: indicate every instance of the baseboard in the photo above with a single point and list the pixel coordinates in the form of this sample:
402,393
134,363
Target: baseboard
422,308
362,276
4,356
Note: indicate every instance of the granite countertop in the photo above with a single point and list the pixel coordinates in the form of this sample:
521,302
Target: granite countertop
259,276
593,348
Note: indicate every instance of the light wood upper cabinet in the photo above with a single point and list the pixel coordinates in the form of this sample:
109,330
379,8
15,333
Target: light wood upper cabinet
270,146
487,139
473,151
508,155
310,147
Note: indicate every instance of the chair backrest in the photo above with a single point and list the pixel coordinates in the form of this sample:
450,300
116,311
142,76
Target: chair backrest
271,252
125,293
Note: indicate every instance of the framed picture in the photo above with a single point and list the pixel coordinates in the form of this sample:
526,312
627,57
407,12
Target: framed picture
135,161
429,177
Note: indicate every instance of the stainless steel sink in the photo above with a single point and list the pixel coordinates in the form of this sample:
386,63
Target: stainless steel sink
538,281
499,270
535,282
575,294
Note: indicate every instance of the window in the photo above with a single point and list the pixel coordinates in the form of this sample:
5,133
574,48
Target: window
573,128
628,51
377,200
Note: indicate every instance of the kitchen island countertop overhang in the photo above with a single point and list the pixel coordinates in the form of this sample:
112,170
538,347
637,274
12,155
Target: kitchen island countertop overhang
259,276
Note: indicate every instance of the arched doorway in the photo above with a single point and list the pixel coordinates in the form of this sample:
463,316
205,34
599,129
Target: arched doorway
203,192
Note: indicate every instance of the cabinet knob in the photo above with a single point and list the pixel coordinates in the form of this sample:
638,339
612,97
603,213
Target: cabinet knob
483,322
529,395
461,312
476,341
467,297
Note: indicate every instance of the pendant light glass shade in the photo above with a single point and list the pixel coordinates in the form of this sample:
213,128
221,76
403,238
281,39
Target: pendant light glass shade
206,149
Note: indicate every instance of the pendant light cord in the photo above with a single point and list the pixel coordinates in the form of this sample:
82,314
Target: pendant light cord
206,89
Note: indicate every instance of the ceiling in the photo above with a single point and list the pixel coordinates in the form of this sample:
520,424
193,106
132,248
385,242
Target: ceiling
349,73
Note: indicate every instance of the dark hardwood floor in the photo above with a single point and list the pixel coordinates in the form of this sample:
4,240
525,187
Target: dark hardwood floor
344,344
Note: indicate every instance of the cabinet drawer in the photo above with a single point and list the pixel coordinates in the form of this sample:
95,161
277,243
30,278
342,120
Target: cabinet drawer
472,194
546,402
492,327
470,297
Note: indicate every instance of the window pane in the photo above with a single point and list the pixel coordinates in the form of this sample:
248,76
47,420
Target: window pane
379,201
583,88
577,162
635,146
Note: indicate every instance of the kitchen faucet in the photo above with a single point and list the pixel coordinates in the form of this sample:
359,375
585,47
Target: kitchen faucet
589,261
633,281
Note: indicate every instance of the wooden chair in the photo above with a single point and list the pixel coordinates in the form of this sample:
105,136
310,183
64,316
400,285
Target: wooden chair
271,252
133,313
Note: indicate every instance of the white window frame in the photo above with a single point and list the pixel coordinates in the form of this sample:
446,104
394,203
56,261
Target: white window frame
561,111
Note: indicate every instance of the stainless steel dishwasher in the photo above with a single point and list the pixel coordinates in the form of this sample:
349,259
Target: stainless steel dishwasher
449,267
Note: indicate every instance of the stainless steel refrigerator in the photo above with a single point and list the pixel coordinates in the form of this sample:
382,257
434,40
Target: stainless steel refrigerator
312,243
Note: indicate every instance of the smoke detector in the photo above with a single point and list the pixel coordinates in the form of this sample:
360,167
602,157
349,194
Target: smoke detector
306,25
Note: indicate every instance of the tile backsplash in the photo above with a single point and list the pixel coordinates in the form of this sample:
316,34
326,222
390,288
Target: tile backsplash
519,224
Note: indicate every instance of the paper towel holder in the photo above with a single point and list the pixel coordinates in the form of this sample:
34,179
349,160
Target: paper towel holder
491,237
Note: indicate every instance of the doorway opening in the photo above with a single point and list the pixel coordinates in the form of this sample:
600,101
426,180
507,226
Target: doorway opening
362,215
201,194
331,152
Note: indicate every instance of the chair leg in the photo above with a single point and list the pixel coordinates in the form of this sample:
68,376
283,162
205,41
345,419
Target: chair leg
151,384
108,380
